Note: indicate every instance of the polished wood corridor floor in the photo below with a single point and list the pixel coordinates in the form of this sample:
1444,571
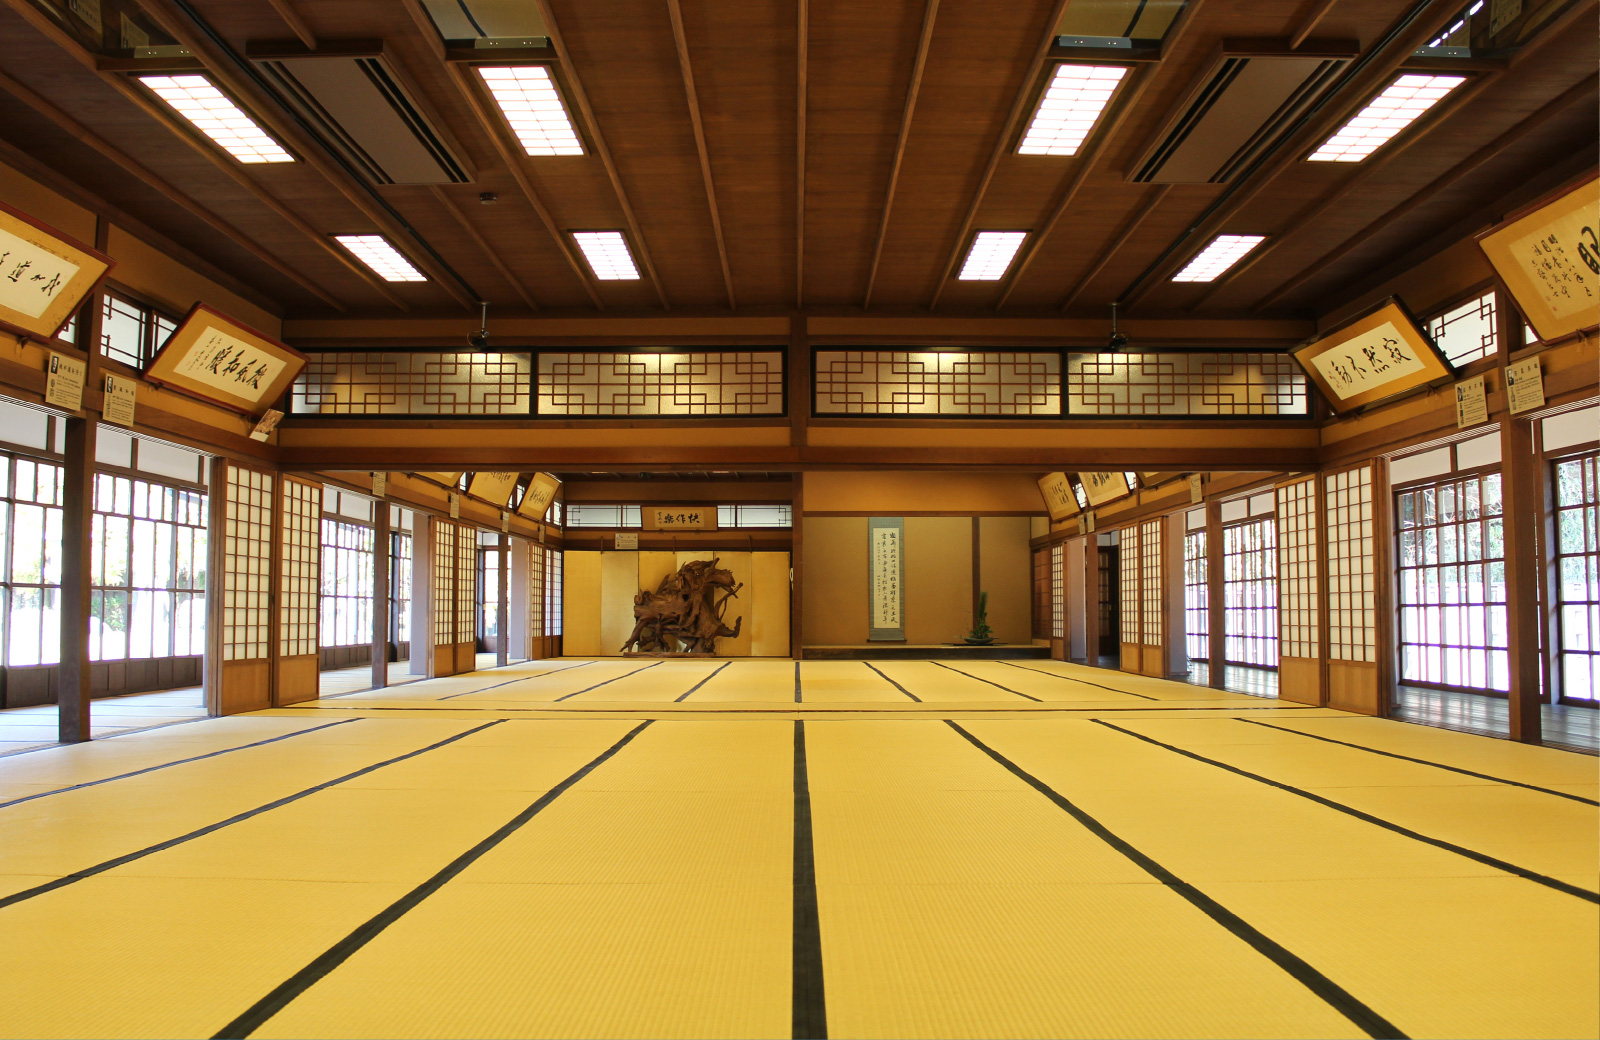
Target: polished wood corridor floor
689,848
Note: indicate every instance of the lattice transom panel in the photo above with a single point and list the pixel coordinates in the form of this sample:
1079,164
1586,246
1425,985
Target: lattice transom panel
1297,569
1183,384
957,383
247,562
299,568
1352,613
649,383
428,383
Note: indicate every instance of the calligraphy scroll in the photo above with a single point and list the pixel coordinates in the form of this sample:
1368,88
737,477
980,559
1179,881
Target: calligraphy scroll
679,518
44,275
493,487
1550,260
1058,496
536,500
217,359
886,578
1100,488
1379,355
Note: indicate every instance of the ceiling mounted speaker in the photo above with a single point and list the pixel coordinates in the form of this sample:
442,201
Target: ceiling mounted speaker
362,109
1245,101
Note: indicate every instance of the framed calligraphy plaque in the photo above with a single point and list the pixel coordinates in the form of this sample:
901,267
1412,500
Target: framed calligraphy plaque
1550,260
1058,496
493,487
44,275
1100,488
536,500
1382,354
217,359
679,518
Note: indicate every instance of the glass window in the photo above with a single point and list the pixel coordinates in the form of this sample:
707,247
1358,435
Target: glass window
346,583
1466,332
131,332
399,587
552,593
489,592
1250,592
1452,589
1578,566
148,570
755,516
30,567
603,516
1196,597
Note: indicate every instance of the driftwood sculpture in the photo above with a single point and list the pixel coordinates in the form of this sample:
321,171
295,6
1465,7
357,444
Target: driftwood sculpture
684,614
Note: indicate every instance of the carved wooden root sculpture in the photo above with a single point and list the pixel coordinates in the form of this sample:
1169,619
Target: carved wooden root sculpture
686,609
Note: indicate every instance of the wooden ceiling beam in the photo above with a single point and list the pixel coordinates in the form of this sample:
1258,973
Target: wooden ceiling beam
1152,200
1409,32
1363,172
575,84
1126,103
687,69
151,180
1047,38
1309,26
802,63
179,24
488,250
929,13
1580,91
296,24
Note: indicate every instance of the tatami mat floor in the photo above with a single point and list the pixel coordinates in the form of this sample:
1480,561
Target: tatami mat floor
754,848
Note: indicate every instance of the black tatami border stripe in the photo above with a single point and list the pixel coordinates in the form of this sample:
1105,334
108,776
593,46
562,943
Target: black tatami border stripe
57,745
258,1013
808,1005
702,682
1377,821
176,762
508,682
891,682
1086,682
797,682
101,868
991,682
613,679
1334,995
1421,762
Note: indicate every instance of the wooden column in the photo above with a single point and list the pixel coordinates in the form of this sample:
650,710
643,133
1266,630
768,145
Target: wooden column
1384,597
381,562
1522,492
216,583
1216,611
74,676
502,606
796,561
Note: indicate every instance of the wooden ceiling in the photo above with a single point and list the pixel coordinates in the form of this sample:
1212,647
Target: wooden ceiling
833,156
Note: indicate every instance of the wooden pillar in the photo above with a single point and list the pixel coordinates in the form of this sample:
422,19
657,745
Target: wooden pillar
1216,610
796,562
502,605
422,605
381,562
1522,492
74,676
216,583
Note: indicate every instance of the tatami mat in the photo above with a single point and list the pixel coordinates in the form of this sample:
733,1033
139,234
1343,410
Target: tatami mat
625,848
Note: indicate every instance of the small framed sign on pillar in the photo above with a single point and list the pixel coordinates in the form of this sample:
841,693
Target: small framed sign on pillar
886,574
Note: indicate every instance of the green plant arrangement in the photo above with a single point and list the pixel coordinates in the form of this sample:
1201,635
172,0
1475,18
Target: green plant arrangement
981,632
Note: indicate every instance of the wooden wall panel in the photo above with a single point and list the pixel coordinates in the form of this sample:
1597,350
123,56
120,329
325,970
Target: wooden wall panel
297,679
834,594
580,606
1005,569
938,577
619,582
1353,686
1300,680
245,686
769,624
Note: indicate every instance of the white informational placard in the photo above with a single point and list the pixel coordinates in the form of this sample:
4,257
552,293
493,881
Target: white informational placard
1524,386
627,539
455,506
380,484
1197,489
1472,404
63,386
122,396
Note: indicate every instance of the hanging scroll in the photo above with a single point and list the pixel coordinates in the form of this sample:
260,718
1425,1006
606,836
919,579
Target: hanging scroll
1550,260
44,275
493,487
1379,355
217,359
886,572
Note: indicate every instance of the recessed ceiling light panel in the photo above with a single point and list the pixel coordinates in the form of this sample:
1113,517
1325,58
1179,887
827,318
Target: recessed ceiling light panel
990,255
608,256
384,259
527,97
1386,115
1071,104
1223,252
209,110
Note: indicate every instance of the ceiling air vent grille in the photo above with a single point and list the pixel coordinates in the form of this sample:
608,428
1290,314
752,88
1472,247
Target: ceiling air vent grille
365,112
1243,103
